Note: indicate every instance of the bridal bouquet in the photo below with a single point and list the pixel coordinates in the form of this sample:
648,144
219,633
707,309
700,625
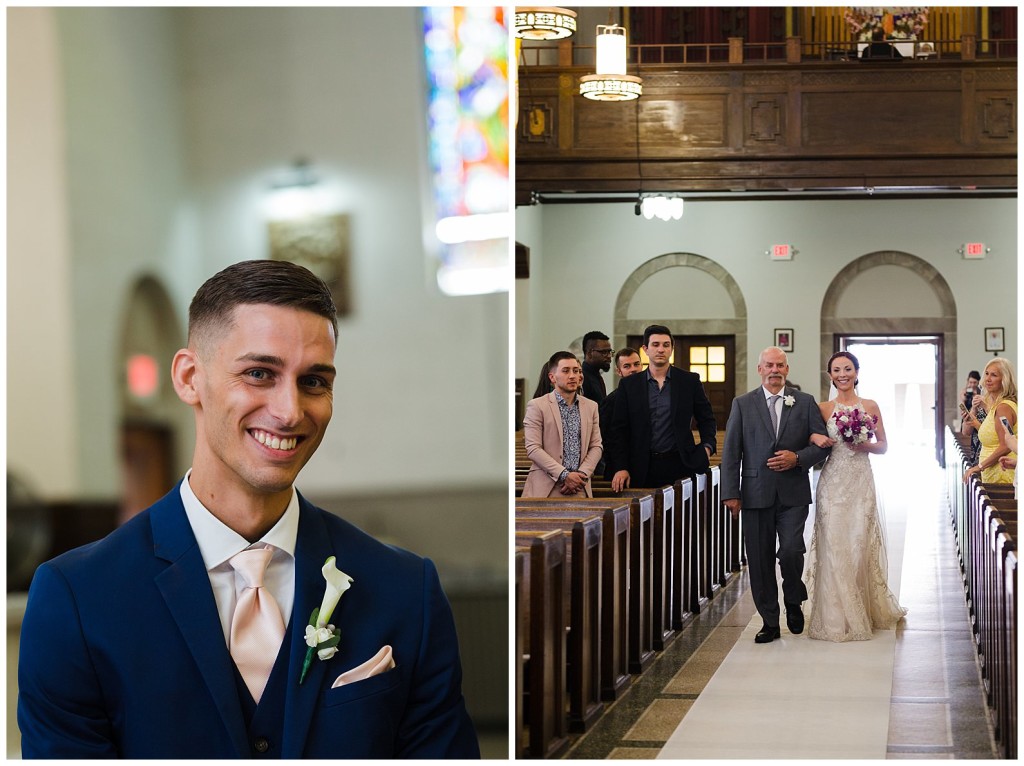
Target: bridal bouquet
855,426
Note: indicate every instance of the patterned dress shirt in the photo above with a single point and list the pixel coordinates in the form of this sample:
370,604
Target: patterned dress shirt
571,434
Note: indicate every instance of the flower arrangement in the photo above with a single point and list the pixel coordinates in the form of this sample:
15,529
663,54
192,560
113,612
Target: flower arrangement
321,637
855,426
908,23
897,23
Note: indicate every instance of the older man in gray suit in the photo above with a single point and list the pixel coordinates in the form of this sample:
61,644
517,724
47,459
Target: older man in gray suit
765,461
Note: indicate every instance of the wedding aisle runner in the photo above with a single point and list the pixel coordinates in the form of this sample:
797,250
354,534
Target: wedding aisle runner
796,697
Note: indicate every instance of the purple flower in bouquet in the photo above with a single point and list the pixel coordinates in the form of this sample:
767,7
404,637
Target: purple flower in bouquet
855,426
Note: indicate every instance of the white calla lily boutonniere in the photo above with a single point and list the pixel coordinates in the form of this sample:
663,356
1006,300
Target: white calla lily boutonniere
789,401
322,638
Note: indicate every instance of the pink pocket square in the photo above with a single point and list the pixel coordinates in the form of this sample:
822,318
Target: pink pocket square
379,663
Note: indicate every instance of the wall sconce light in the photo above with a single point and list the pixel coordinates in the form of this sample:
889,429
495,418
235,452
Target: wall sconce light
611,83
544,23
295,194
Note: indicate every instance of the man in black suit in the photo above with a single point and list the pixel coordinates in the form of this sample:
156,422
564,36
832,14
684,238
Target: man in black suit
627,362
652,439
597,358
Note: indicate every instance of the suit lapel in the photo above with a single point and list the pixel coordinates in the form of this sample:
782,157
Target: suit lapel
762,410
312,549
185,587
556,416
785,413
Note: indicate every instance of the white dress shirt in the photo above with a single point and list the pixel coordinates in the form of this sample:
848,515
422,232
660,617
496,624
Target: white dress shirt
778,404
218,543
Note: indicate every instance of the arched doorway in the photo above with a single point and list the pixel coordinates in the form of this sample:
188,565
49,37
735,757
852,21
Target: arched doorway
702,305
927,305
151,414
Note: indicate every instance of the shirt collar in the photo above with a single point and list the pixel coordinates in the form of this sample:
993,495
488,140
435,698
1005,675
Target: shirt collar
768,394
218,542
668,373
559,398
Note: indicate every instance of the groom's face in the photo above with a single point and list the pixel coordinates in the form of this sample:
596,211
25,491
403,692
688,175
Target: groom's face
773,369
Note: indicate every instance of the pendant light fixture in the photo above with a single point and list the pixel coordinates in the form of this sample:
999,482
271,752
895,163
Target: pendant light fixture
544,23
611,83
663,207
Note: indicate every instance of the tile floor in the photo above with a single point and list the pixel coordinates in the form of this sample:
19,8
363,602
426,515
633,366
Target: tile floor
936,706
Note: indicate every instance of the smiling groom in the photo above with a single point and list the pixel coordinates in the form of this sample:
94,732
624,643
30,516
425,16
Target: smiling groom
183,634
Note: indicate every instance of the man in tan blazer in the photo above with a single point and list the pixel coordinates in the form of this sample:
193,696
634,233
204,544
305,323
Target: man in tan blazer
562,432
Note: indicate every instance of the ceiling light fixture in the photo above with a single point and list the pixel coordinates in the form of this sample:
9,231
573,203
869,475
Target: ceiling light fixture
544,23
611,83
660,206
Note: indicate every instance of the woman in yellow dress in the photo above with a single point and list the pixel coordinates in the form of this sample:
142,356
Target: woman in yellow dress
1000,399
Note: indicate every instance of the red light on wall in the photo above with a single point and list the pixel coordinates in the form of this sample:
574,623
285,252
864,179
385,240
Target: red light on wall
782,252
974,250
143,375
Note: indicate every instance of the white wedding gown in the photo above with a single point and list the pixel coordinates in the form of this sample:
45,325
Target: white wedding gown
847,566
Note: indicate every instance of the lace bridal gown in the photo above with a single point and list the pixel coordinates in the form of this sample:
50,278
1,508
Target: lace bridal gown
847,565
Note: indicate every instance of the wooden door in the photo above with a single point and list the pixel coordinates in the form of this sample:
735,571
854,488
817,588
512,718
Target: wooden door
713,357
146,466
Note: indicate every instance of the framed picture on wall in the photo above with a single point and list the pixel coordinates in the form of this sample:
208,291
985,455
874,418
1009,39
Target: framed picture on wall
994,339
784,339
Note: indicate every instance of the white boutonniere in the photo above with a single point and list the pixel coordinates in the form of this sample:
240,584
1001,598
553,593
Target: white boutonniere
789,401
322,638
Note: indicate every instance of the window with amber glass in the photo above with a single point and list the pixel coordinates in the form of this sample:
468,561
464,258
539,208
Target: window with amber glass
708,362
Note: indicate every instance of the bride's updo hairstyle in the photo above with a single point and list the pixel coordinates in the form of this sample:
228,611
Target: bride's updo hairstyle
848,355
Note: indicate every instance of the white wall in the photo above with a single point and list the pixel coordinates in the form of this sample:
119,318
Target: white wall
586,252
344,87
42,445
176,122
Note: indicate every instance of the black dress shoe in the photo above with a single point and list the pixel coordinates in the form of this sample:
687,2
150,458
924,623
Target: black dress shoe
794,619
766,635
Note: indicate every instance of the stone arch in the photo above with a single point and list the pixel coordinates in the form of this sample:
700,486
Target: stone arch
944,324
622,326
151,450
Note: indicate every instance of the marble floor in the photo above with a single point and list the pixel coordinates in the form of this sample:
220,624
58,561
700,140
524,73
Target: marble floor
911,693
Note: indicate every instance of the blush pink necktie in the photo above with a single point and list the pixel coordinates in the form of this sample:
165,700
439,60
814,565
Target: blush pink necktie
257,628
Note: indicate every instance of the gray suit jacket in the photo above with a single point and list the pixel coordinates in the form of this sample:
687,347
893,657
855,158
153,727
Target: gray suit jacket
750,441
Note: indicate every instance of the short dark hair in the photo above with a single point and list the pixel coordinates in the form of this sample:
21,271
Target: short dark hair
559,356
974,374
624,352
262,282
656,329
591,338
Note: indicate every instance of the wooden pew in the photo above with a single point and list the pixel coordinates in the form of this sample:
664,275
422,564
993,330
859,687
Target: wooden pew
584,618
984,520
520,605
543,615
640,638
615,677
684,541
664,558
1009,716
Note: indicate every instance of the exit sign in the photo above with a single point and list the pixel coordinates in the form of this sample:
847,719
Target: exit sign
974,250
782,252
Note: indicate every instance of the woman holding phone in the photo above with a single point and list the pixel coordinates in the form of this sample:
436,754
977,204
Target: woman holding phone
1000,384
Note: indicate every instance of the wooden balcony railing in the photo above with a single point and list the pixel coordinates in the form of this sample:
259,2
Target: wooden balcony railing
794,50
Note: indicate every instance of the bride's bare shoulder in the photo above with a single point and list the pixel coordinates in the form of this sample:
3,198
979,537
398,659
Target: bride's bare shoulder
827,408
871,406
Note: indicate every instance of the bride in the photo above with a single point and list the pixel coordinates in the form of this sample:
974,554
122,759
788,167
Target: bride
847,565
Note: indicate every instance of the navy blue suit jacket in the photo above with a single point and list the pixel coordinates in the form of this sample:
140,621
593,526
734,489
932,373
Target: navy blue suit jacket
123,654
